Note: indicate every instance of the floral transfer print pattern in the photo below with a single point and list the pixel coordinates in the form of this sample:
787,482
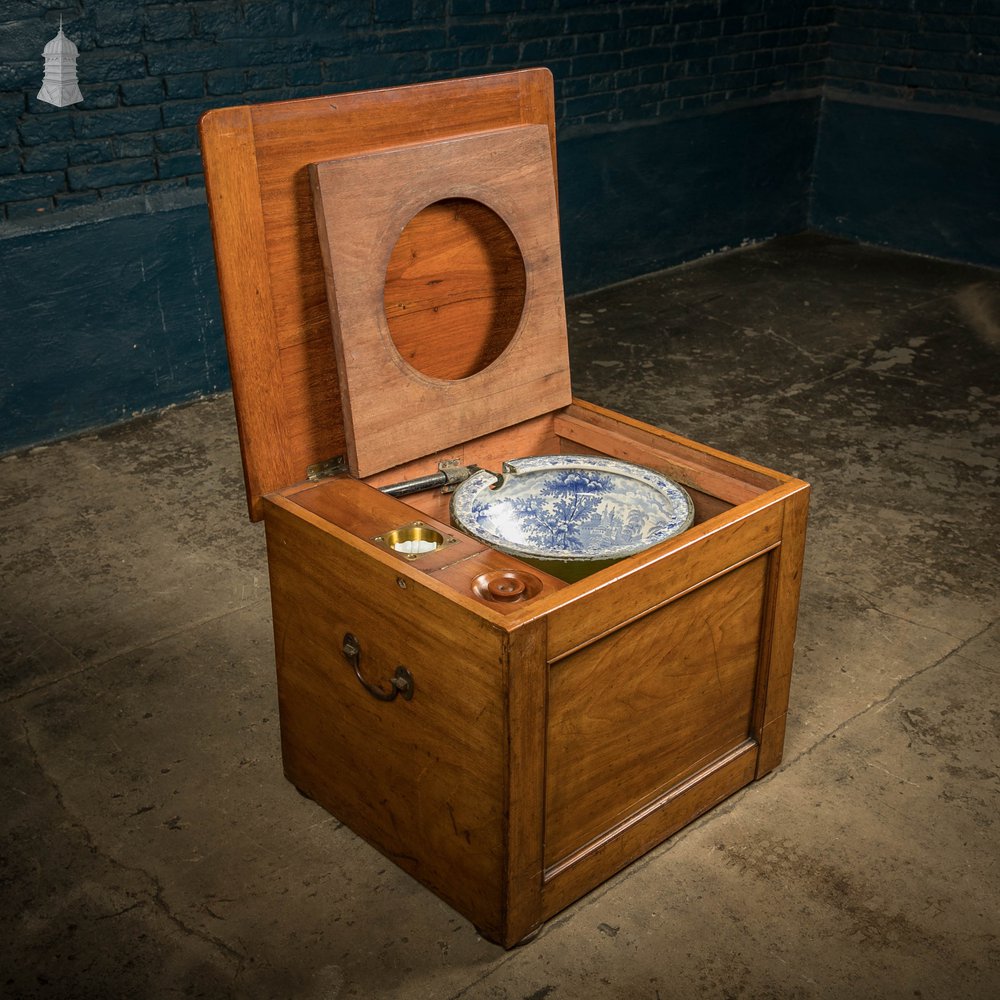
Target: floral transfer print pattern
565,506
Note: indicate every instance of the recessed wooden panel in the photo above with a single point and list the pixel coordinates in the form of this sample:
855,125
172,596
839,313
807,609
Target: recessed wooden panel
392,412
644,708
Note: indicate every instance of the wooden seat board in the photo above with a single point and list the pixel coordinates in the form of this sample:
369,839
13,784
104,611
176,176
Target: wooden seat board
393,413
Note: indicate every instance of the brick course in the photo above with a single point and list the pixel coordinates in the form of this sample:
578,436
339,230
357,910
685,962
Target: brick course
941,52
149,70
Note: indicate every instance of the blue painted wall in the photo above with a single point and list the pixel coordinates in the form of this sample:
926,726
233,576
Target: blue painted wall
107,320
909,137
645,198
919,181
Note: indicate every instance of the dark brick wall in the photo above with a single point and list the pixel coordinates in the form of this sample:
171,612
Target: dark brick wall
104,321
939,54
148,70
908,139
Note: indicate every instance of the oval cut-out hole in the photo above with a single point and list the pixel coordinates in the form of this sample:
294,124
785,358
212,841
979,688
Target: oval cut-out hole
454,289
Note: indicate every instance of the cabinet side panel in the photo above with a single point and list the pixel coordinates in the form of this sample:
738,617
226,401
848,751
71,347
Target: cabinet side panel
421,780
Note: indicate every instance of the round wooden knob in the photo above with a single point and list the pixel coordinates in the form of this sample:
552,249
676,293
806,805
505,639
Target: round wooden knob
506,585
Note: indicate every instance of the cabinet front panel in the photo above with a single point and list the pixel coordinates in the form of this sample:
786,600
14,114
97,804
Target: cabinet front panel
646,707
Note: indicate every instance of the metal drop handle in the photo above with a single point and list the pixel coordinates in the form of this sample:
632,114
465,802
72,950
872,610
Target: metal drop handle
402,679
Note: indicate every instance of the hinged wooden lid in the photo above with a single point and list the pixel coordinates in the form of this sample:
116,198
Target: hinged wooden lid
267,247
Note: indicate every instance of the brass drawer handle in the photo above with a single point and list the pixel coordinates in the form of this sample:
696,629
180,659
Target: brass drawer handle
401,683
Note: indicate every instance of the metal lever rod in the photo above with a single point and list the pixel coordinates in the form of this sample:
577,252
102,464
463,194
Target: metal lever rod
447,478
418,485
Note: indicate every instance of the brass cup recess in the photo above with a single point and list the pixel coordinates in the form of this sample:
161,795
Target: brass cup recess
413,540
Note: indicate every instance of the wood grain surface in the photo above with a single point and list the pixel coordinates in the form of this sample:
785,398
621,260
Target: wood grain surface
392,412
242,267
566,883
424,780
649,705
454,289
276,314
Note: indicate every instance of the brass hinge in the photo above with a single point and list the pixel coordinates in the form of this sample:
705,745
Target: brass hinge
335,466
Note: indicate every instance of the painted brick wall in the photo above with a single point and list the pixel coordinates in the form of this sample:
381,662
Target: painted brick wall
941,54
908,137
148,70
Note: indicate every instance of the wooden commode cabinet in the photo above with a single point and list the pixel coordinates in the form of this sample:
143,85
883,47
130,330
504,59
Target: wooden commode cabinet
391,286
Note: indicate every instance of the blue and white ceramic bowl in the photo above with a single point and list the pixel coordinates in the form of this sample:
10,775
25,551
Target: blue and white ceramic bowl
571,515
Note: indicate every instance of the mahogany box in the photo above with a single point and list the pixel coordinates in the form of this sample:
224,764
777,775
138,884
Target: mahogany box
391,286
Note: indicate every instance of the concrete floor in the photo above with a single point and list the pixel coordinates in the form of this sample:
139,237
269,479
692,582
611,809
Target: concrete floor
151,847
